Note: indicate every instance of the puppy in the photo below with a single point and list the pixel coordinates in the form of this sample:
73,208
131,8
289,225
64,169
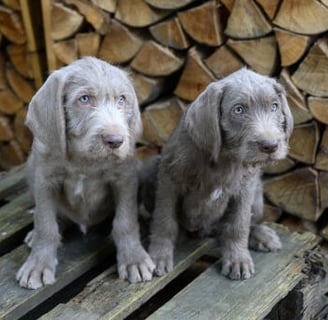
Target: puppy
85,120
209,172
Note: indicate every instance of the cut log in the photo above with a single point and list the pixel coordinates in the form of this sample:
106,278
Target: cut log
323,184
88,44
18,56
304,142
246,21
22,134
66,50
291,46
302,16
14,4
296,192
11,155
312,74
324,232
228,4
295,99
195,77
108,5
169,4
321,162
9,103
269,7
295,224
146,151
94,15
271,213
156,60
170,33
21,87
64,21
280,166
120,45
259,54
11,26
223,62
160,119
6,132
208,29
138,13
147,89
319,108
3,81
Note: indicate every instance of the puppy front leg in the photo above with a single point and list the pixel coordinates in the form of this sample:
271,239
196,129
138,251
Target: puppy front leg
164,227
134,263
40,266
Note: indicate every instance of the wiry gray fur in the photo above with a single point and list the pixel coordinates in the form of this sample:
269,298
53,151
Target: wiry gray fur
83,167
209,173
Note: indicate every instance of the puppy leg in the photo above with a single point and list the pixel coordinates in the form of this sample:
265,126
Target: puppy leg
164,227
134,263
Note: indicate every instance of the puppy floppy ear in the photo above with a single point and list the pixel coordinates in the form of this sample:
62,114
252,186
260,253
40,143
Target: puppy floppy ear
202,120
46,116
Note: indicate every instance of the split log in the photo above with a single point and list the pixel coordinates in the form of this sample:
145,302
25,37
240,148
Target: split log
6,132
160,119
280,166
170,33
144,152
22,134
108,5
260,54
246,21
269,7
87,44
312,74
138,13
321,162
228,4
9,103
296,192
302,16
147,89
323,184
11,26
295,98
11,155
156,60
120,45
18,56
195,77
21,87
169,4
64,21
14,4
208,30
3,81
291,46
66,50
94,15
324,232
304,142
223,62
271,213
298,225
319,108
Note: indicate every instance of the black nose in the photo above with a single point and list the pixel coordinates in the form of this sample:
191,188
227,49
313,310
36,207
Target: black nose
268,146
113,140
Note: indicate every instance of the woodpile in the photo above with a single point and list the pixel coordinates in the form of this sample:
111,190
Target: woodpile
174,49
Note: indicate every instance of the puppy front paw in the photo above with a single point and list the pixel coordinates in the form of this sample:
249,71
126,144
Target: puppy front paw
263,238
237,265
135,265
37,271
163,259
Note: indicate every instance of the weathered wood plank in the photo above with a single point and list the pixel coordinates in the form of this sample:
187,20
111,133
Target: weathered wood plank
12,181
212,296
110,298
77,256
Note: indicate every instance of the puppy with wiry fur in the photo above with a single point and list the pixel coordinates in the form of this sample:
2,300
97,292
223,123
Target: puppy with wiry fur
209,172
85,120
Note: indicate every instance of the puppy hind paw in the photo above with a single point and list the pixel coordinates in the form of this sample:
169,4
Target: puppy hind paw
163,266
263,238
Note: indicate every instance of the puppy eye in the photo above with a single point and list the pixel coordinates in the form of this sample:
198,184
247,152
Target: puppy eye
121,101
84,99
274,107
238,110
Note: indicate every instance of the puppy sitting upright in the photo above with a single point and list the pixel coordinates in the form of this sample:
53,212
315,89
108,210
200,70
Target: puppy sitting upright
209,172
85,120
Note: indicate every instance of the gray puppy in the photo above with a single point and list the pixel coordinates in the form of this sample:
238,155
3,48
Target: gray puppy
85,120
209,173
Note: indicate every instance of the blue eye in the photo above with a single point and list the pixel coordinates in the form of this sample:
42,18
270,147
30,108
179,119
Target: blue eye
274,107
238,110
121,100
84,99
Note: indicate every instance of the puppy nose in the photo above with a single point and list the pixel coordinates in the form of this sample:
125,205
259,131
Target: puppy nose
113,140
268,146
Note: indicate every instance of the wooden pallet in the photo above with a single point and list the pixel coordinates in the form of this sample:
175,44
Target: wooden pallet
87,285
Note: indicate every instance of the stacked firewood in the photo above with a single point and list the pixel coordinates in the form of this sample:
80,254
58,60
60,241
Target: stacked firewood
174,49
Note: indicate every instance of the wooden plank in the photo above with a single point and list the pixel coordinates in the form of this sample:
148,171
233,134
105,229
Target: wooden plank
110,298
213,296
13,181
78,255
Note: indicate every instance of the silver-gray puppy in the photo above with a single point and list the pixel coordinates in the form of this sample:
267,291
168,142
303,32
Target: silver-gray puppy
209,172
85,120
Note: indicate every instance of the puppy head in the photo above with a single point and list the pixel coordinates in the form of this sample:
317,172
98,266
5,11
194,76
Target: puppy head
246,115
87,109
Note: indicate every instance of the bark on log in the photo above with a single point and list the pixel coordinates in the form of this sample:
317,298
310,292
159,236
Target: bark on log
321,162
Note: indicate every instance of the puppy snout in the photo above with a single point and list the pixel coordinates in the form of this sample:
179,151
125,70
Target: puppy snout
113,140
268,146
